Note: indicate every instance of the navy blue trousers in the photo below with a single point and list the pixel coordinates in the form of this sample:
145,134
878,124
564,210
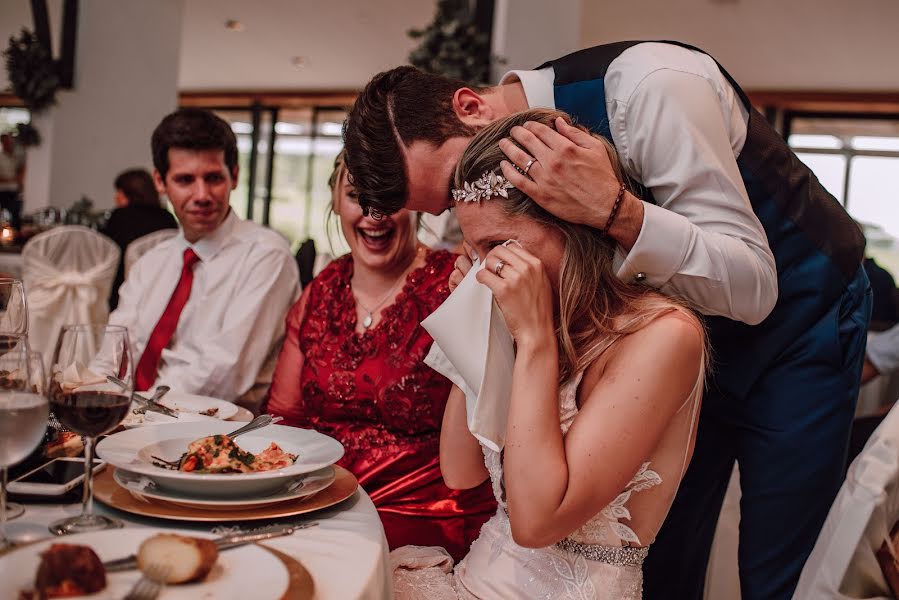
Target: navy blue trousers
789,437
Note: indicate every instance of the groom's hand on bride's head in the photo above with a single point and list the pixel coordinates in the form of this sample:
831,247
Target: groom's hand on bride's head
571,175
462,266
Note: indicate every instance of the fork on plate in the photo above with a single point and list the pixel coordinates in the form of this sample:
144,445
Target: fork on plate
151,583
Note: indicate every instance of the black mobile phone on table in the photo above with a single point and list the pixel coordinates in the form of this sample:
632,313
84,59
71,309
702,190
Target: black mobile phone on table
54,478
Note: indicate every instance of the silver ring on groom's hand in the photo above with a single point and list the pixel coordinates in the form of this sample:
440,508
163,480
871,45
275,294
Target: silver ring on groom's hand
499,267
528,166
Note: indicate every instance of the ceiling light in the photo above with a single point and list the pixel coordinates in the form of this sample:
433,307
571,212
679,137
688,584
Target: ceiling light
233,25
299,62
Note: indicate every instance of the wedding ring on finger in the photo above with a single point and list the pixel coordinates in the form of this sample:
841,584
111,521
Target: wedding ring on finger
528,166
499,267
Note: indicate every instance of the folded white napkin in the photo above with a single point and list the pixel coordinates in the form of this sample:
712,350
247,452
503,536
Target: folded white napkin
473,349
81,377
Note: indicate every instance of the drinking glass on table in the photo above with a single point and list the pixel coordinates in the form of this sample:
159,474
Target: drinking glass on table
85,402
23,419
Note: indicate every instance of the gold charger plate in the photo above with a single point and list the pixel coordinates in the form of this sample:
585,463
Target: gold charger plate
301,586
107,491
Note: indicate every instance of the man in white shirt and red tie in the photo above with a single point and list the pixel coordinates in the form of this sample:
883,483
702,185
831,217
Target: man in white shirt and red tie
205,309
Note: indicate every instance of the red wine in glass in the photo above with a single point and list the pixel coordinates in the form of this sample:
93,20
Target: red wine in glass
90,413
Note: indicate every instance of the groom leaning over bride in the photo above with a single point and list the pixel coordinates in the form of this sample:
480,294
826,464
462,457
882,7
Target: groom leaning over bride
731,221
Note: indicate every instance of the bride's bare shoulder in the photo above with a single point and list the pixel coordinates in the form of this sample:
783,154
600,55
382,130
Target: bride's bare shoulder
669,341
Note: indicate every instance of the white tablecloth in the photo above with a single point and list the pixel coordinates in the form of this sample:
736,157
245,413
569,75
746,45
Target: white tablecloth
346,554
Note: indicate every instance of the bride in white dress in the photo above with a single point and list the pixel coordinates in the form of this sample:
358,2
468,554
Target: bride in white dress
606,390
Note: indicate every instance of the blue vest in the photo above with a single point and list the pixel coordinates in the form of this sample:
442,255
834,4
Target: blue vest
816,245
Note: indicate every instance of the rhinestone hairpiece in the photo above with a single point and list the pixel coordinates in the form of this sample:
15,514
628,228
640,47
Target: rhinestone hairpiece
486,186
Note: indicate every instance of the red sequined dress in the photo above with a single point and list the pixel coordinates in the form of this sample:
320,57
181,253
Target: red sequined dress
374,393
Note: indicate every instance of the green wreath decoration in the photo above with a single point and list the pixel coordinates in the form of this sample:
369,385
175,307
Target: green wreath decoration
451,45
31,71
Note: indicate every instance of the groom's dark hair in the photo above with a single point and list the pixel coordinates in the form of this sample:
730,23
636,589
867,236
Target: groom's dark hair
399,106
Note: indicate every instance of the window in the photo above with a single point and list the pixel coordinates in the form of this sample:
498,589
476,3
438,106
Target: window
857,160
306,142
12,116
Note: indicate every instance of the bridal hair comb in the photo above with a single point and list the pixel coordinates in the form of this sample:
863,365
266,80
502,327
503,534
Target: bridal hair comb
486,186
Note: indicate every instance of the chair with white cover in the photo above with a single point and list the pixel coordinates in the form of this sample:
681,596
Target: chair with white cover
144,244
68,272
844,561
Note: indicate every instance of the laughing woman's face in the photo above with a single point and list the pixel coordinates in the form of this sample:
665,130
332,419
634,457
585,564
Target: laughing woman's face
387,243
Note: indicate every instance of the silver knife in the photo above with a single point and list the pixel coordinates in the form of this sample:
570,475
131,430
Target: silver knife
223,543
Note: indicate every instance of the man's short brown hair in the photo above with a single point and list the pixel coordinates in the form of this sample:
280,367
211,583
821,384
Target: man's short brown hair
192,129
403,105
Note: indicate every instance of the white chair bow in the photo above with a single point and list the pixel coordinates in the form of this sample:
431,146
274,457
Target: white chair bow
68,274
843,563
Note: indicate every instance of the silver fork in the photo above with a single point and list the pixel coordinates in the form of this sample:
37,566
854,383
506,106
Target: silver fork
151,584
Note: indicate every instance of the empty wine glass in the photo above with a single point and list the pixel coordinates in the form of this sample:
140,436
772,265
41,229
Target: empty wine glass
23,419
85,402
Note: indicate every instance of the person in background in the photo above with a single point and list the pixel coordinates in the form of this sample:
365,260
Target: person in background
352,367
138,212
205,309
883,288
12,173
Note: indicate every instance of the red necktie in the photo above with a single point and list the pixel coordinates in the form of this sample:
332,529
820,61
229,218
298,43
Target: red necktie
145,375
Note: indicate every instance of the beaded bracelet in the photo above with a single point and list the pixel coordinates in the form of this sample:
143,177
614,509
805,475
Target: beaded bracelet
614,213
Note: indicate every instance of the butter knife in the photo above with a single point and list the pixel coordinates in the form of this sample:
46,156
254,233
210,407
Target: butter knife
224,543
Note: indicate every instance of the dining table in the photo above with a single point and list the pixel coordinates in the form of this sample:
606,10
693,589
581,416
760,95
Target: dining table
345,552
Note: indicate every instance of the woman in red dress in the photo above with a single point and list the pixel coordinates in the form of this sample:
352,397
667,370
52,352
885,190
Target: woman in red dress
352,367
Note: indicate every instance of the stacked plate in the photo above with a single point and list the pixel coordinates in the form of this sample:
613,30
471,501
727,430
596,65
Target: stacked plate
138,455
189,407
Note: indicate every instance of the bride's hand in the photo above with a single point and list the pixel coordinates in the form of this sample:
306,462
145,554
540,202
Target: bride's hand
462,266
522,290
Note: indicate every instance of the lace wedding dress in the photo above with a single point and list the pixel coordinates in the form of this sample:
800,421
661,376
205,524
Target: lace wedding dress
601,560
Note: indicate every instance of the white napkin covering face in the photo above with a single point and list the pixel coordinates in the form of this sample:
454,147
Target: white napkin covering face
473,348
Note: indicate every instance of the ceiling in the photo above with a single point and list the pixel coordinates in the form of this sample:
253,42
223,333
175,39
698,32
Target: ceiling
341,42
337,45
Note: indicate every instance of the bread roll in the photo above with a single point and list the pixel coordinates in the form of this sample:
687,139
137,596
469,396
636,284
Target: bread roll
188,559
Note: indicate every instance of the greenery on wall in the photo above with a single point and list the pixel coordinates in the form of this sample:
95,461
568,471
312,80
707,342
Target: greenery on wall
452,45
31,71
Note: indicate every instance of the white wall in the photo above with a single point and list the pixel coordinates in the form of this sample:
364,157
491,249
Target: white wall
125,82
768,44
529,32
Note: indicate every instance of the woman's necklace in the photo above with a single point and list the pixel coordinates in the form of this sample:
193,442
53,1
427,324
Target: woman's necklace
370,312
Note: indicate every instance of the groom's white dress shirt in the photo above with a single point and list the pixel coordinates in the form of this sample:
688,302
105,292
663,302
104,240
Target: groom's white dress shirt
678,126
231,329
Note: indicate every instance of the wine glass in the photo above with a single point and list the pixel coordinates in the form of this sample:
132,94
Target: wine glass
85,402
13,313
13,334
23,419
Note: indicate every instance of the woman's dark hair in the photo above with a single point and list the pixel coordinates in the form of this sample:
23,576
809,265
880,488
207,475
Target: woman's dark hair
192,129
138,187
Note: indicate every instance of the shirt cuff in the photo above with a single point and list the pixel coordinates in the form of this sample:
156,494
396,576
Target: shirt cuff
659,250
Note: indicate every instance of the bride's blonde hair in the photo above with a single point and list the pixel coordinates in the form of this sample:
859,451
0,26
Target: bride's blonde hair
591,297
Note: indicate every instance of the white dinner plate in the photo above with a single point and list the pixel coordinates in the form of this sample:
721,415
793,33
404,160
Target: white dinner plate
132,449
245,572
295,489
189,408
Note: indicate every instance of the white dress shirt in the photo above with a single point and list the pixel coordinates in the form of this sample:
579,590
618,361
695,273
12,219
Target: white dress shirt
678,126
883,350
230,331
